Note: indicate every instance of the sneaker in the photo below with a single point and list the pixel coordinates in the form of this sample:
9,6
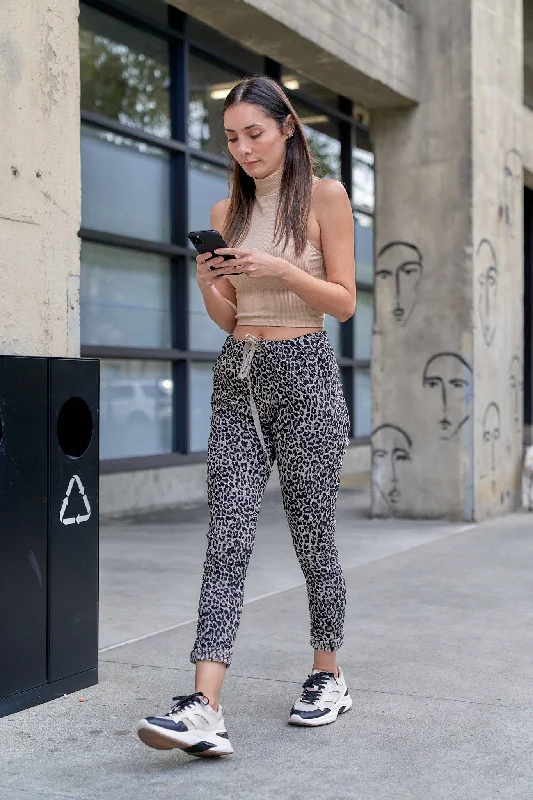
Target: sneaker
324,697
191,725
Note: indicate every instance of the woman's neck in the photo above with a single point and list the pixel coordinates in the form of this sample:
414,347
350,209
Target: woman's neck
269,185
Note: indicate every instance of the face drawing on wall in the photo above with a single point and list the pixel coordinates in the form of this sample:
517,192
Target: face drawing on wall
487,271
490,447
516,384
399,267
450,377
391,448
512,186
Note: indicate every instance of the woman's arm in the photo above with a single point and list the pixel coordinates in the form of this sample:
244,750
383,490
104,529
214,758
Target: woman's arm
219,295
337,294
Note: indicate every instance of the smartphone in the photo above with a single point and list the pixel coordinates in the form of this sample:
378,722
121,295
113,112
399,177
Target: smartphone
208,242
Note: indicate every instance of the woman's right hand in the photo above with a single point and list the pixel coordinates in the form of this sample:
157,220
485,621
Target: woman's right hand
204,274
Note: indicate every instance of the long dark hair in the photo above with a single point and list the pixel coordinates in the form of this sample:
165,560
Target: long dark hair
297,179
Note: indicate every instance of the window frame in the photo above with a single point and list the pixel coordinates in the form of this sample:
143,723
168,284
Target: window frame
178,249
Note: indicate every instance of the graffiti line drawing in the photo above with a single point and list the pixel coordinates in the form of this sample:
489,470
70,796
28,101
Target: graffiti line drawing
516,384
488,288
400,265
511,188
491,436
451,376
391,447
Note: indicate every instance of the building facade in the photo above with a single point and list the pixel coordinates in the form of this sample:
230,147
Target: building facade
113,149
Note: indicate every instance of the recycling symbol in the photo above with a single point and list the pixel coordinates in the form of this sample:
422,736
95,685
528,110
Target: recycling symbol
80,517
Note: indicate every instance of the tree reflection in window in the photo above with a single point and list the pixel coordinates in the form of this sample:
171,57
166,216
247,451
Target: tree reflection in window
124,73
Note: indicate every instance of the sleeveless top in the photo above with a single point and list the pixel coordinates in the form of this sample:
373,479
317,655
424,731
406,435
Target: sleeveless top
267,301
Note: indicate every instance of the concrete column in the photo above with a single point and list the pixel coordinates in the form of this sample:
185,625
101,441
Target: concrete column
498,252
447,364
40,178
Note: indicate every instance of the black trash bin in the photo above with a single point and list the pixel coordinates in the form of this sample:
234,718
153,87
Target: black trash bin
49,457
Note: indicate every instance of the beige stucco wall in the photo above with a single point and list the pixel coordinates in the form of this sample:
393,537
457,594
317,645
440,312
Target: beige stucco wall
40,180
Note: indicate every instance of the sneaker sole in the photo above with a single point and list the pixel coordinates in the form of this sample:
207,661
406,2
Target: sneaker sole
206,745
344,705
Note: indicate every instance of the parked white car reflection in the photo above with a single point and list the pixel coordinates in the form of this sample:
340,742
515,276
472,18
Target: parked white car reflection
135,416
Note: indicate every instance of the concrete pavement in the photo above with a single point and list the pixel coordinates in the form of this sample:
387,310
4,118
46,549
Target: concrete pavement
438,657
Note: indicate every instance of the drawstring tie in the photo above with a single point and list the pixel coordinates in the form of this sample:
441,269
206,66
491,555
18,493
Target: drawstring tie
251,344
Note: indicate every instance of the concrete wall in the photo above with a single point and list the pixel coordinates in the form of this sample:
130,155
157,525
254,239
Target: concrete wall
498,268
39,169
156,488
422,334
362,49
447,361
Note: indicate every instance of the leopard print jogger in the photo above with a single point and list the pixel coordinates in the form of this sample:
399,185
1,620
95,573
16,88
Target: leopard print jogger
305,424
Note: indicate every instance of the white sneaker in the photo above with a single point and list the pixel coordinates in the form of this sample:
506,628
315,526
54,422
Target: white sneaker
324,697
191,725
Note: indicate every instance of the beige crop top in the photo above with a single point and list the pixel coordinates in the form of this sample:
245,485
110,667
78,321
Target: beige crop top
267,301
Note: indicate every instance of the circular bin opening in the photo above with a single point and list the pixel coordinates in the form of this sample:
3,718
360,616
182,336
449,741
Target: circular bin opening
74,427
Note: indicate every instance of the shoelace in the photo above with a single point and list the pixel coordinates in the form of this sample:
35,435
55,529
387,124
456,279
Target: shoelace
318,680
181,702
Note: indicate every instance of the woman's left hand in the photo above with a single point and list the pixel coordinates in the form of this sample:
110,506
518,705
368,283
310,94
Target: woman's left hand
254,263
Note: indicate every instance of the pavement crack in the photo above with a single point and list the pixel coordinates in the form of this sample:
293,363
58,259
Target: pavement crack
36,793
484,703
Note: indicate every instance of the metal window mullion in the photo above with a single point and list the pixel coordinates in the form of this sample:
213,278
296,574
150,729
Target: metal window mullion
132,353
171,145
126,14
272,69
129,132
179,104
131,243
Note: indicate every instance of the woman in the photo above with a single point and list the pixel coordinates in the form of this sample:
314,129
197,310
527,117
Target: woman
276,396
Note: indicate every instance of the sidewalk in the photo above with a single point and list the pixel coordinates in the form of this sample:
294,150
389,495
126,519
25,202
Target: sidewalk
438,657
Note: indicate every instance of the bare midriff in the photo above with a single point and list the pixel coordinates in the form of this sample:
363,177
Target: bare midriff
273,333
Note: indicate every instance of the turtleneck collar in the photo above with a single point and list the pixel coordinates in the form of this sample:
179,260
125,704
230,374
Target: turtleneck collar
269,185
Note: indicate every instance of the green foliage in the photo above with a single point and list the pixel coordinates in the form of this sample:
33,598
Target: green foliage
125,85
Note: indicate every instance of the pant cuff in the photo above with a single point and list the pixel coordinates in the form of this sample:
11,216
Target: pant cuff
222,656
328,645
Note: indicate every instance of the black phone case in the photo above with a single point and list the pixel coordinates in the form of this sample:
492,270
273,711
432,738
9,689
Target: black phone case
211,241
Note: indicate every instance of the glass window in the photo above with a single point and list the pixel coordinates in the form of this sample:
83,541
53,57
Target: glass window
363,320
362,403
364,248
135,408
208,88
204,334
363,175
214,42
332,327
124,72
201,389
323,137
126,186
207,185
291,79
125,297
